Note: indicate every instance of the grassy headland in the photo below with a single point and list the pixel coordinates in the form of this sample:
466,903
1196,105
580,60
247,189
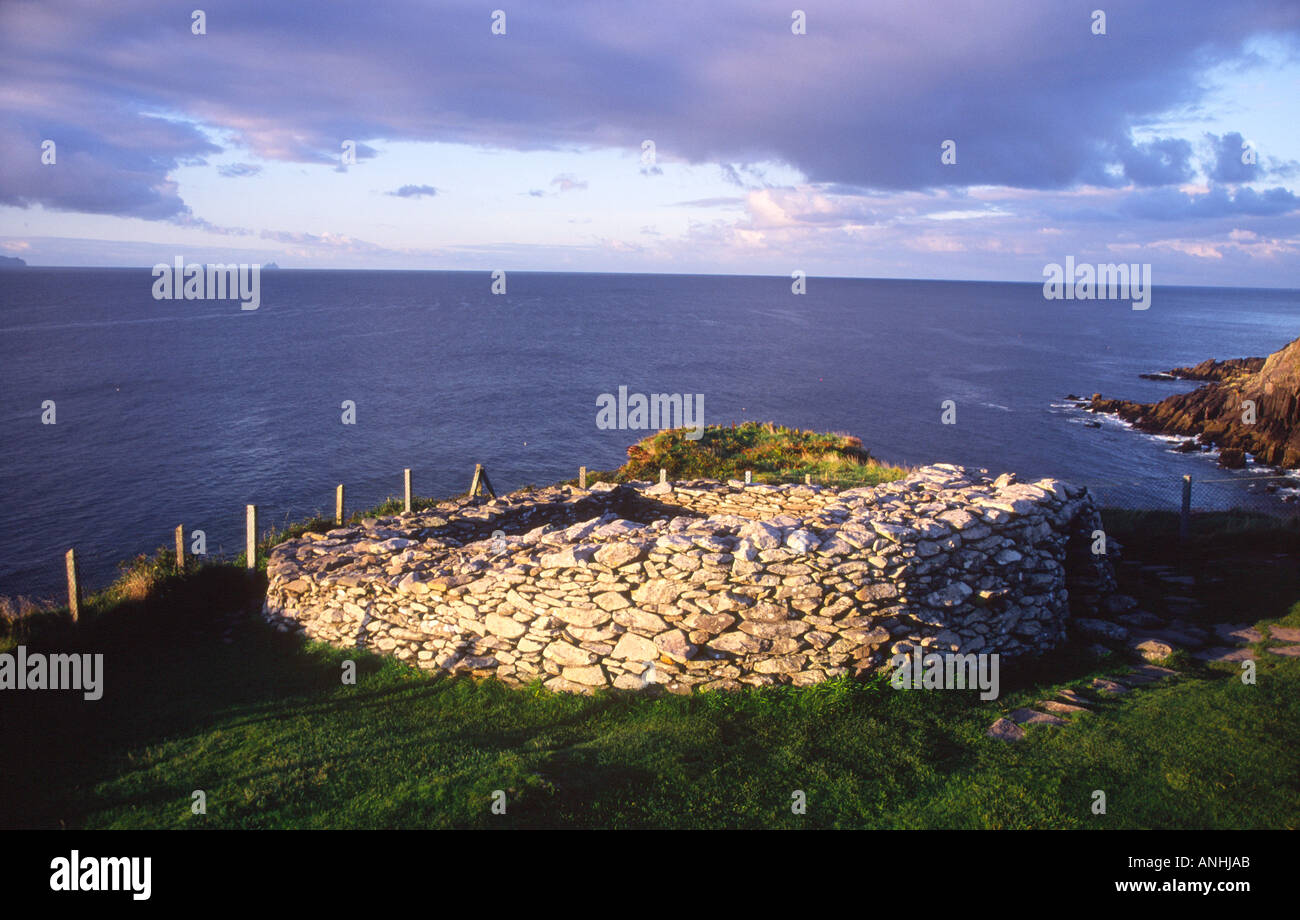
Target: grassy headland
200,694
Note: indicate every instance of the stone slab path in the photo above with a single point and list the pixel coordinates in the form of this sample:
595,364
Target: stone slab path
1069,702
1151,645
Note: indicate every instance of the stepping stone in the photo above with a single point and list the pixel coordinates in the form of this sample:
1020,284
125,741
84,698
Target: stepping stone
1187,580
1177,638
1119,603
1197,633
1285,633
1141,619
1151,649
1071,696
1240,633
1006,730
1222,655
1146,674
1056,706
1030,717
1290,651
1100,629
1109,686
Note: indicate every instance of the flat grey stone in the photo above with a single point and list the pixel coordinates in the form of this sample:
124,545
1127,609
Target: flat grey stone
1152,649
1146,674
1240,633
1031,717
1058,706
1006,730
1224,655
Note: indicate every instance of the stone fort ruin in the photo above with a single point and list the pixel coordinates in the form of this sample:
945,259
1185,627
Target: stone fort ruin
703,583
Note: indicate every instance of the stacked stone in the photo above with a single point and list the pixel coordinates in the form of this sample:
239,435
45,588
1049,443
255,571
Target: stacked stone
701,584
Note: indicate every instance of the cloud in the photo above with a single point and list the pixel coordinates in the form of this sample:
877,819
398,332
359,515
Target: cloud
1032,98
414,191
567,183
238,170
1227,165
337,242
709,202
736,175
126,174
1218,201
1164,161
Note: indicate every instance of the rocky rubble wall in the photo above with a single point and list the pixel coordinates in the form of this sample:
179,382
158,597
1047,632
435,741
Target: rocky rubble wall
703,584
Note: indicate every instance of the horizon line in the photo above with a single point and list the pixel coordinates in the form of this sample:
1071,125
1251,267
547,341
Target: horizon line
467,271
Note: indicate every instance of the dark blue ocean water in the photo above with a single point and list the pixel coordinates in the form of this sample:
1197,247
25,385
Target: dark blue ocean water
175,412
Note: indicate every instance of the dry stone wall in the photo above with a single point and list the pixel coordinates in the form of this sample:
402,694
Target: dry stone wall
703,584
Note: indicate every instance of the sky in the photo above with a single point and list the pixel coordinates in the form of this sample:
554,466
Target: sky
694,137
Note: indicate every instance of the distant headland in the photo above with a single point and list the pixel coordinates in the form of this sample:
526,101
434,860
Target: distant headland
1247,406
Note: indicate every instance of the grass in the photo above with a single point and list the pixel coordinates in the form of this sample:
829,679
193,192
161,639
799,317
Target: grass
264,726
266,729
771,452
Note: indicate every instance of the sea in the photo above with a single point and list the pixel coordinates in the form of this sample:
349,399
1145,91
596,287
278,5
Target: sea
175,412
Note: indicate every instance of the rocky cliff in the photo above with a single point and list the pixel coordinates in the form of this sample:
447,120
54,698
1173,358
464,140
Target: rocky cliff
1217,413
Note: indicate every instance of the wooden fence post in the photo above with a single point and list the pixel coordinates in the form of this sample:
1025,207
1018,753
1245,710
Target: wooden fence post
406,489
74,585
338,506
180,547
474,483
1185,518
250,536
582,477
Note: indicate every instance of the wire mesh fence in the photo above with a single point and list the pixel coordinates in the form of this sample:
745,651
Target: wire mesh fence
1273,495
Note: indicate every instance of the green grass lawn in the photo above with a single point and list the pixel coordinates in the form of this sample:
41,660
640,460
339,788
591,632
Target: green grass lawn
263,725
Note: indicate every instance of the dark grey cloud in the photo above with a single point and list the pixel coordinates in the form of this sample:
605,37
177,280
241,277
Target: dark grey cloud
1164,161
414,191
1172,204
1229,161
97,169
746,175
239,170
1227,164
1032,98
